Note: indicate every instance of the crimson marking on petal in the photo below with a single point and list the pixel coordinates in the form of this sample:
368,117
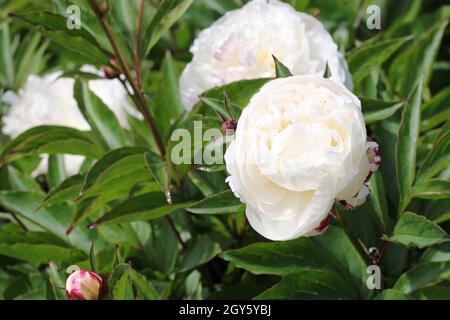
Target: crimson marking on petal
324,224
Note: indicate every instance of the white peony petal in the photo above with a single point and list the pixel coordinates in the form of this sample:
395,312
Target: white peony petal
240,46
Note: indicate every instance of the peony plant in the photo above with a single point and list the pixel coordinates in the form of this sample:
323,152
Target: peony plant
224,150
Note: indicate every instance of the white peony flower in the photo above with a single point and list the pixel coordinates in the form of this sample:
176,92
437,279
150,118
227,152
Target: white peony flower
299,144
240,46
49,100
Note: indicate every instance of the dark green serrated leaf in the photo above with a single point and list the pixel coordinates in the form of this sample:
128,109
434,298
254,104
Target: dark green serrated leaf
414,230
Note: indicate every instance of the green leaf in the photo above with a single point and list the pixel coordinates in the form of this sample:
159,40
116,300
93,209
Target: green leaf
54,26
144,286
371,54
220,203
438,158
422,276
433,293
278,258
432,189
379,200
168,13
437,253
375,110
200,250
239,93
414,230
30,58
52,219
162,247
52,140
40,253
54,22
148,206
168,107
435,111
20,181
280,69
115,169
406,147
416,61
391,294
158,169
7,55
101,119
327,73
312,285
56,281
56,170
332,251
92,261
69,189
123,289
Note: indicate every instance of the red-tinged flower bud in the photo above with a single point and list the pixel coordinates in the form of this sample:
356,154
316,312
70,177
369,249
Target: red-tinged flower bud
229,126
84,285
103,7
110,73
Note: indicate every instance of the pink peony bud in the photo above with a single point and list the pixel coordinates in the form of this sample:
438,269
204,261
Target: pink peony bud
84,285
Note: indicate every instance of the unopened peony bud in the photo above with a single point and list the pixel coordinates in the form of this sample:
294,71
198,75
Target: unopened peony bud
84,285
110,73
103,7
229,126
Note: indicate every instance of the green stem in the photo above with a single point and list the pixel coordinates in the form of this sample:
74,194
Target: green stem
142,103
175,230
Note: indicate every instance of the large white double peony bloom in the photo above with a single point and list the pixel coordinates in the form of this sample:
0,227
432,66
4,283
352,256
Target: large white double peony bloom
49,100
300,144
240,46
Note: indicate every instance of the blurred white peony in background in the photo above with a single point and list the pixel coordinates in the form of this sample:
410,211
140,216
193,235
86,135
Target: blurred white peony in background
300,144
240,46
48,100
